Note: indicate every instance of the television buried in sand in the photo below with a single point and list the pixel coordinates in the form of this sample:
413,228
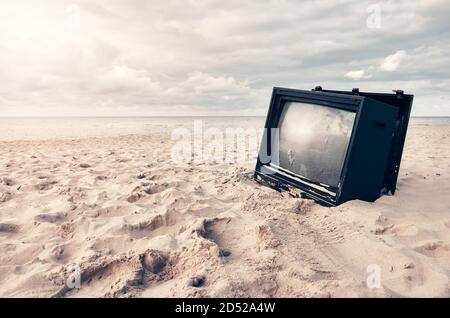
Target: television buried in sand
333,146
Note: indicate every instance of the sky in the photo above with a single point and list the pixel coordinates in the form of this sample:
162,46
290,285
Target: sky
215,57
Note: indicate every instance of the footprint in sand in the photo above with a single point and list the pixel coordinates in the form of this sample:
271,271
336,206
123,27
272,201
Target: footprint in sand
7,182
197,281
132,198
8,228
146,189
123,271
155,188
397,230
45,185
213,230
58,252
434,249
153,261
66,230
120,275
138,228
50,217
5,197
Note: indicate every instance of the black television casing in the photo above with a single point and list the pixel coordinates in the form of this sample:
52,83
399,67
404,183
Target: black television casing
372,161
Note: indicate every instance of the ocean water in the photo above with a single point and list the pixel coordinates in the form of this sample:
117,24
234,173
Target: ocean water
79,127
429,121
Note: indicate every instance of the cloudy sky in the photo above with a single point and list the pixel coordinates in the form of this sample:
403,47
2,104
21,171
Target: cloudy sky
214,57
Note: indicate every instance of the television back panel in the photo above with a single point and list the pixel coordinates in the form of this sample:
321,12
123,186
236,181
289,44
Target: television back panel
403,102
368,157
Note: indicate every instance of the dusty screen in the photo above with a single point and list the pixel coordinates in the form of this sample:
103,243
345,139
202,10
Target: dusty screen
314,140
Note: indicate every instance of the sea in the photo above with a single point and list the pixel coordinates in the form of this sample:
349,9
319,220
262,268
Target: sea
40,128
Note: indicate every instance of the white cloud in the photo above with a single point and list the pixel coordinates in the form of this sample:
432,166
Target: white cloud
204,83
358,75
123,79
392,62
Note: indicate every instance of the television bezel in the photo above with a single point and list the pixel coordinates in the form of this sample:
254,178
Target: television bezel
279,98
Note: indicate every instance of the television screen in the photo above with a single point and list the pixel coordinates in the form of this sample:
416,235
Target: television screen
313,141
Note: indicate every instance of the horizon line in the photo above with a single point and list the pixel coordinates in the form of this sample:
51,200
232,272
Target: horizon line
167,116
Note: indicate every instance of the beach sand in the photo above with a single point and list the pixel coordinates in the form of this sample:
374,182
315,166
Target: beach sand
133,224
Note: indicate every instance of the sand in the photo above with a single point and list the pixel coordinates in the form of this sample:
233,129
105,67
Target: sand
133,224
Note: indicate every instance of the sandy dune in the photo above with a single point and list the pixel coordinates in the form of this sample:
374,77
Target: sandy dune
139,226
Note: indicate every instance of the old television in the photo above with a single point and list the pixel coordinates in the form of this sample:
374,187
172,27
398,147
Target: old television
333,146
